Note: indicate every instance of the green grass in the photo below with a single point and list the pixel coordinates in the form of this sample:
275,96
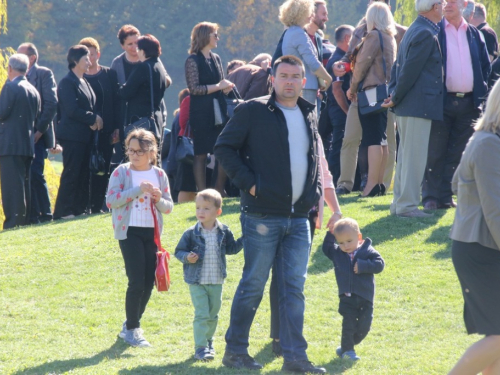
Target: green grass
62,288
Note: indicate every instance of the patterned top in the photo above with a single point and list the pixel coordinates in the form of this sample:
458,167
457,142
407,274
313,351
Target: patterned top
193,78
211,270
121,194
434,26
141,215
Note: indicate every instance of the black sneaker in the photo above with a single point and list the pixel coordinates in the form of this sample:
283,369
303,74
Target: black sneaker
342,191
240,361
302,367
278,352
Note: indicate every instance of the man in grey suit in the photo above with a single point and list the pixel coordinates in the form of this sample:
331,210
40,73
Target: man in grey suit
416,90
19,108
43,80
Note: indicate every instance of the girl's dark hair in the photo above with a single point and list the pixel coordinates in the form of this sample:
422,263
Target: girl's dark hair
150,45
147,142
75,53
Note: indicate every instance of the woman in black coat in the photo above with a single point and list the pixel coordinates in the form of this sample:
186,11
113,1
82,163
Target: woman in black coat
205,80
77,121
137,92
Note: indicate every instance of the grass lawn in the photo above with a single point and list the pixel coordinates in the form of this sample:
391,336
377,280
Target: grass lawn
62,289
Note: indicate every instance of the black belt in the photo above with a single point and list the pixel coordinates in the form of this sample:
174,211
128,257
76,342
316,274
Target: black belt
460,94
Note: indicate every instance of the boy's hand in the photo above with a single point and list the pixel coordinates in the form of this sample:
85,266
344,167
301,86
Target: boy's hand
356,268
192,257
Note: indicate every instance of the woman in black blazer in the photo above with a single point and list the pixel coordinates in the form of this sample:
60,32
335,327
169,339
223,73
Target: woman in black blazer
77,121
136,91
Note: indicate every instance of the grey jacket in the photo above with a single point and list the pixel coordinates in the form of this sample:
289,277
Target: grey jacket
296,42
192,240
477,185
417,75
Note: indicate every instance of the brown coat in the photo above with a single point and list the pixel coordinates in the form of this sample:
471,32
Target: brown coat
369,67
251,81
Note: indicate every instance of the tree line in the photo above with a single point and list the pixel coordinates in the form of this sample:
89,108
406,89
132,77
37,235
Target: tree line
248,27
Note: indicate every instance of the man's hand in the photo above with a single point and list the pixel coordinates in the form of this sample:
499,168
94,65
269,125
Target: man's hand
333,219
38,135
99,122
339,69
388,103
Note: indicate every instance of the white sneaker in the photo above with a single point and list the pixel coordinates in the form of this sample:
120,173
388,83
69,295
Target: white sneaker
134,337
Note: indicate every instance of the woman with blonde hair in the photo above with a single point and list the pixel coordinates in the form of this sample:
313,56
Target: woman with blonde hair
374,60
295,15
476,240
206,83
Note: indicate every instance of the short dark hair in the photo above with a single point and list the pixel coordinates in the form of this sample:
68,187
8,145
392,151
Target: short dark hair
290,60
341,32
75,53
150,45
126,31
31,49
480,11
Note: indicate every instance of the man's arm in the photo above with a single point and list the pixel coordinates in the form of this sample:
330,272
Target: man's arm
417,55
7,98
230,141
49,105
339,96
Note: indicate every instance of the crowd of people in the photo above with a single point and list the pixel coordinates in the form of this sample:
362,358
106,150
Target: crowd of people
301,135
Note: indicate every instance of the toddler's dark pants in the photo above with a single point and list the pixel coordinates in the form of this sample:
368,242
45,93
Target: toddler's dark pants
357,314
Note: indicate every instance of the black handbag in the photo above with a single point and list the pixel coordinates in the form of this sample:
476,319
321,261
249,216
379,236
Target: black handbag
97,164
370,100
147,123
184,152
232,103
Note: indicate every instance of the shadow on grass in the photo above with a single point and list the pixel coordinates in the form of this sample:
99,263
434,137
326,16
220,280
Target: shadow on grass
58,367
441,235
338,366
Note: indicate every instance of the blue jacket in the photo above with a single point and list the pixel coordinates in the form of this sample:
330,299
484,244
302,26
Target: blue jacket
369,262
192,240
481,66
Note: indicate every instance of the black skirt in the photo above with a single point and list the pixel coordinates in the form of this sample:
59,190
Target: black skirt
184,178
374,127
478,270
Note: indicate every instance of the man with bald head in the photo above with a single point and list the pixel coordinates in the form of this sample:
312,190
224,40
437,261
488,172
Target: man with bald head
252,79
19,108
466,72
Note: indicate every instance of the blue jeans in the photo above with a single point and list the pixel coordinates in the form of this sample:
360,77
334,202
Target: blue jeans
284,243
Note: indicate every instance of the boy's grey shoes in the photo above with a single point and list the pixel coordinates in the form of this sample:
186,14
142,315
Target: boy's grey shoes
415,213
123,332
134,337
203,354
240,361
351,355
302,367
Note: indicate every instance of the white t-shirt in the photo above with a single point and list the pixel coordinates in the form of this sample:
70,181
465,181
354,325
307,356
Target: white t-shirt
298,141
141,215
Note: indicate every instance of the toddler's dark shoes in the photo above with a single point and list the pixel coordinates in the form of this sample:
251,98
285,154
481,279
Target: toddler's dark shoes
302,367
203,354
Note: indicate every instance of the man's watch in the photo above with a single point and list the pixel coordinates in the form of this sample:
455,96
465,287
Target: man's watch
338,213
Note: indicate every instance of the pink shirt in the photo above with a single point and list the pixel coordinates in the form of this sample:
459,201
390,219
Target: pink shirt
459,75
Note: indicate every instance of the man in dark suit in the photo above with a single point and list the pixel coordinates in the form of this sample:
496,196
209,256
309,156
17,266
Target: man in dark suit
490,37
43,80
466,73
19,108
416,90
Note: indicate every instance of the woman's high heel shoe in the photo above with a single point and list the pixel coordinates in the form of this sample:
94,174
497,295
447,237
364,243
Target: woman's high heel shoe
373,193
383,189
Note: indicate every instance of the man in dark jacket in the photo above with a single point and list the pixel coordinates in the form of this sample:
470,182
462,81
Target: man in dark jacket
416,90
43,80
19,108
466,73
490,36
269,149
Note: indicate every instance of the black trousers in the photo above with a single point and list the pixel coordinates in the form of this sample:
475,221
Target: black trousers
357,314
40,199
447,142
338,121
99,184
16,190
139,255
73,195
